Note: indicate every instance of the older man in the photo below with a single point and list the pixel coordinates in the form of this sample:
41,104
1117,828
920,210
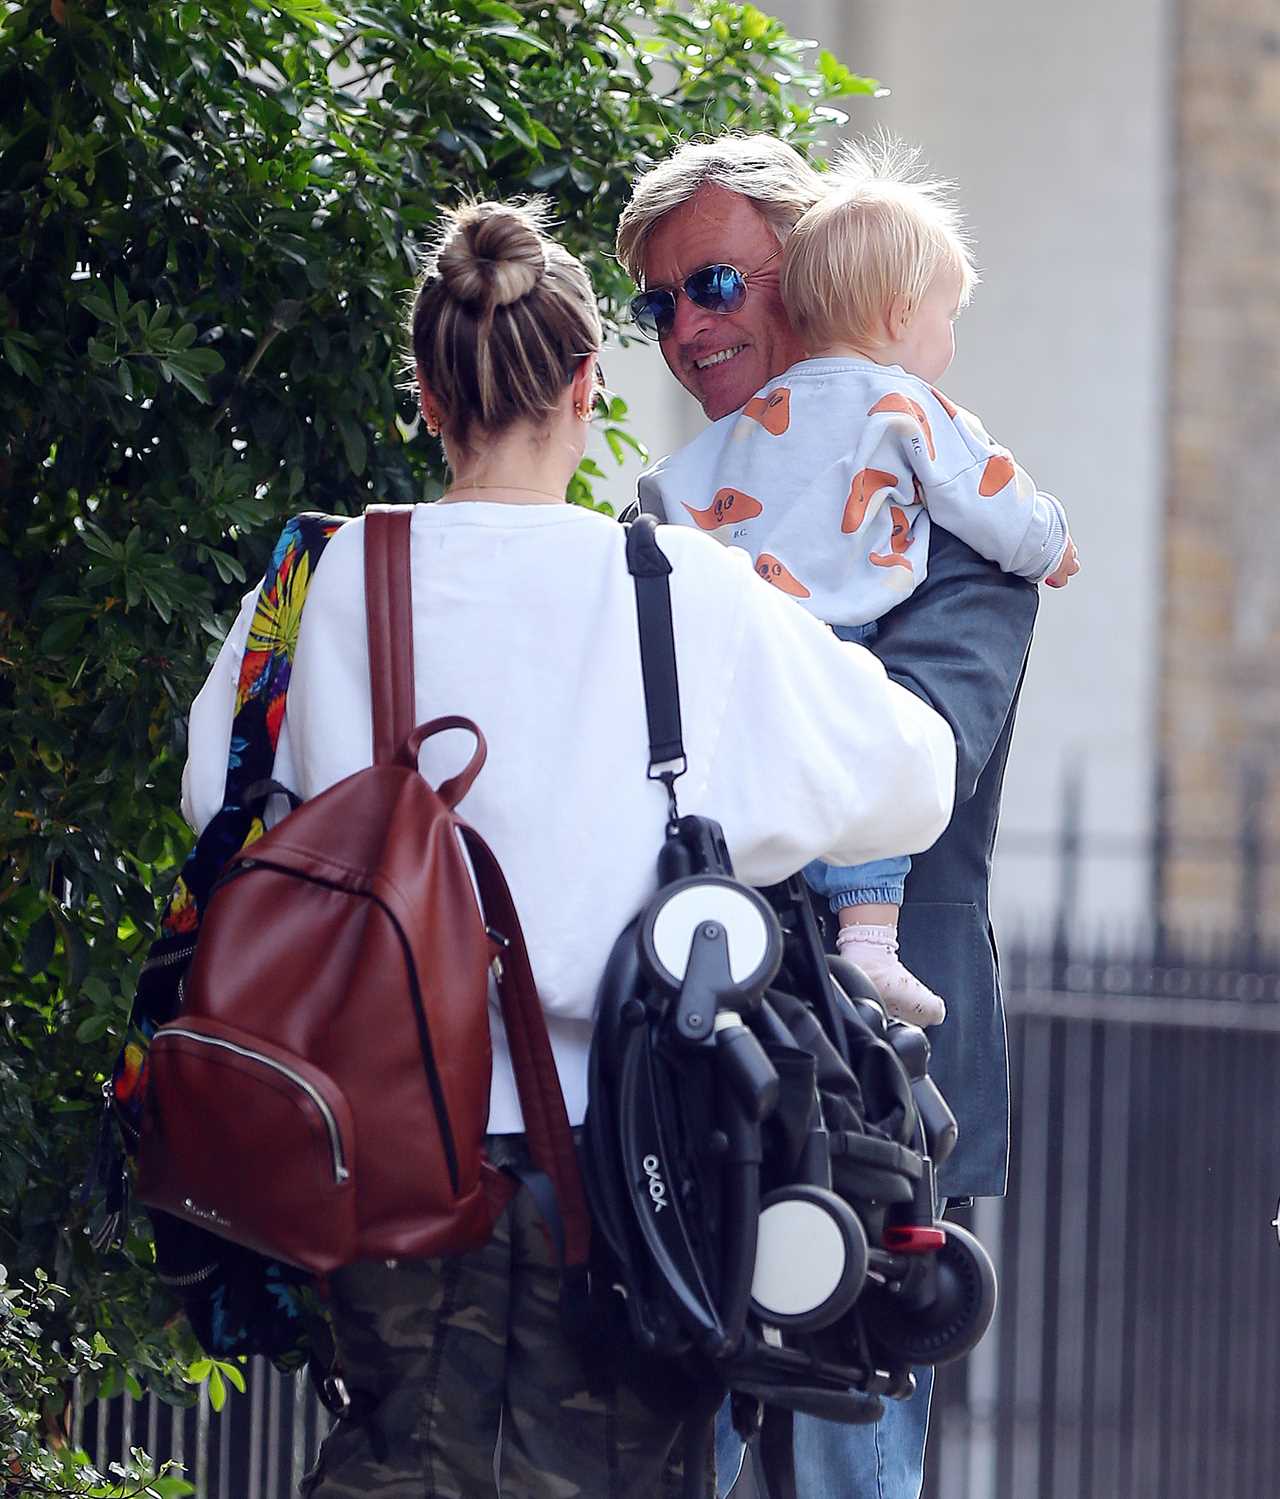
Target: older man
704,230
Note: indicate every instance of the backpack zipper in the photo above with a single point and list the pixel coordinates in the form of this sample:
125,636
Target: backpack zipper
166,960
340,1172
181,1282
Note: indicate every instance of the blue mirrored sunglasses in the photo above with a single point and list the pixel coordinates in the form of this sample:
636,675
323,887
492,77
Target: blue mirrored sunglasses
714,288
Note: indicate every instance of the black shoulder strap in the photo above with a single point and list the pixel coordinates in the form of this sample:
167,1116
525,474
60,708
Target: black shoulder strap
649,567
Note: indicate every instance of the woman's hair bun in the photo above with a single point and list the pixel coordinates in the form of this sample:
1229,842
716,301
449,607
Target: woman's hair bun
492,254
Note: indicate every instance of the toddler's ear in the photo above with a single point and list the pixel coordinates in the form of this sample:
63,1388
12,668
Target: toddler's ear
898,316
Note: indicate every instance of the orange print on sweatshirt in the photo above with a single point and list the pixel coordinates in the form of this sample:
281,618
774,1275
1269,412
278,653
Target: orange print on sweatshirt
905,406
728,505
867,483
949,407
995,475
773,411
772,571
899,541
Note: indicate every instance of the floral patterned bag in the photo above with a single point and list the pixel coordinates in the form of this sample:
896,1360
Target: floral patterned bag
237,1301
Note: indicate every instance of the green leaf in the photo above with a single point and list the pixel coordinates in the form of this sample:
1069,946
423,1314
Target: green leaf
354,444
518,34
841,81
93,1028
473,148
548,174
170,1487
217,1389
22,364
37,950
198,361
184,377
97,542
58,638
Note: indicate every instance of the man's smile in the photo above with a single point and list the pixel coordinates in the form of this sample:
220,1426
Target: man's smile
721,356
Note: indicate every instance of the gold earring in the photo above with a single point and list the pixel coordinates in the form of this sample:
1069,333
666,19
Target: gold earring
433,423
581,412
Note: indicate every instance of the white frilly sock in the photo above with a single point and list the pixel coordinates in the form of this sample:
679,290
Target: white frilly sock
875,950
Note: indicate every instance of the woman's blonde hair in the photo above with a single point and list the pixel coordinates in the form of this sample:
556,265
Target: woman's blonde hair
881,230
773,177
501,318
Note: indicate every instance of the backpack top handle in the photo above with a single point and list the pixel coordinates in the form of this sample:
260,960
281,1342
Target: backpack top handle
388,604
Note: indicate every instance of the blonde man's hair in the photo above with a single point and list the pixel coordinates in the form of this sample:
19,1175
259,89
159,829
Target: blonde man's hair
501,318
882,229
773,176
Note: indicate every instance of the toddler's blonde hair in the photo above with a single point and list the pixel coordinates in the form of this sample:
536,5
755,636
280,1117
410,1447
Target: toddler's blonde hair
882,229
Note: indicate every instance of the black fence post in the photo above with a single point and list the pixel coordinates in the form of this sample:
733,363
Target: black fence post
1253,787
1068,873
1159,871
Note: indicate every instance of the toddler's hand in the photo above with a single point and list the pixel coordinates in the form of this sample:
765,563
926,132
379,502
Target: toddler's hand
1066,569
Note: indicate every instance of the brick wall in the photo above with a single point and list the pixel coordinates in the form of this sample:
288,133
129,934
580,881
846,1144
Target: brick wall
1220,707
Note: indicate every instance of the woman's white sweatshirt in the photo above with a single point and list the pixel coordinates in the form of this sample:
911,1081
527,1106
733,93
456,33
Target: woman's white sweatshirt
525,621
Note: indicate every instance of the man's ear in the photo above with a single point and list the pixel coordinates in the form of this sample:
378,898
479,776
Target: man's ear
898,317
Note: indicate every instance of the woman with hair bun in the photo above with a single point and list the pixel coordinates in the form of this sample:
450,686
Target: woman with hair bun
463,1382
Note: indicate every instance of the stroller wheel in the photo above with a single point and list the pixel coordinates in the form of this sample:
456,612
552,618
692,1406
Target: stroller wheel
749,930
953,1323
811,1258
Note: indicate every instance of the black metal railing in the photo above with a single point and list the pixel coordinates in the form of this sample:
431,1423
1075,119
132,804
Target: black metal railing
1134,1351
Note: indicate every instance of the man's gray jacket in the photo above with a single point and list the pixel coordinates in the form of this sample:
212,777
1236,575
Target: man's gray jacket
961,642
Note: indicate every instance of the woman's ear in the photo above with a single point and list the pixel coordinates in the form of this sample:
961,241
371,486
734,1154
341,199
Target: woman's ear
898,317
583,387
430,411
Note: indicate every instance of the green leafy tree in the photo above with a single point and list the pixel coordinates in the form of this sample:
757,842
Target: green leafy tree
210,217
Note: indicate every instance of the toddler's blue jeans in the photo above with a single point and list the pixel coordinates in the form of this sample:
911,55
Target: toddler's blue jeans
880,882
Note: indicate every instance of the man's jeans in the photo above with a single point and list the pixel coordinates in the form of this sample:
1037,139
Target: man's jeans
883,1460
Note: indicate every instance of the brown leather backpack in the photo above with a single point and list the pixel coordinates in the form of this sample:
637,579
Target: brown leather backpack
322,1096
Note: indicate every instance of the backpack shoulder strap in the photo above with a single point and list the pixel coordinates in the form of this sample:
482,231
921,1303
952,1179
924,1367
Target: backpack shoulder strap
546,1121
388,601
651,571
389,613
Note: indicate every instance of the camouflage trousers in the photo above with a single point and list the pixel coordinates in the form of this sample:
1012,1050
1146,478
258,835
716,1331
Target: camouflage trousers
467,1386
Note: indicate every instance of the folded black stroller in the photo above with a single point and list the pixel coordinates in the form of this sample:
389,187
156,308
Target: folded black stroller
760,1143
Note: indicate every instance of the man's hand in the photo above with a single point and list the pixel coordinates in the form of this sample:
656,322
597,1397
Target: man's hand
1066,569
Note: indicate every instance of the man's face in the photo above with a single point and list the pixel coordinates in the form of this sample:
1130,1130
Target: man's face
721,358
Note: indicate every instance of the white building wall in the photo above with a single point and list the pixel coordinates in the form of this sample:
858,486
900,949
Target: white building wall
1056,122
